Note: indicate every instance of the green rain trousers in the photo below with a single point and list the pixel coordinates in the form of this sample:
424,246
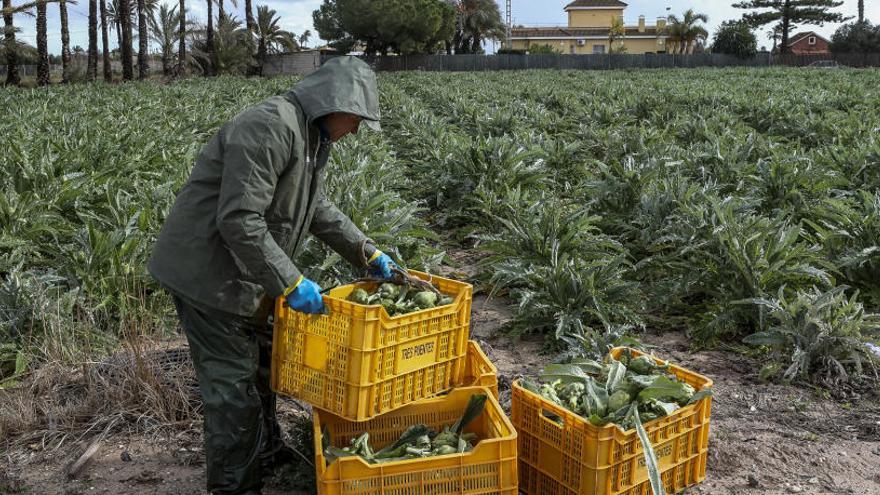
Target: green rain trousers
232,356
226,249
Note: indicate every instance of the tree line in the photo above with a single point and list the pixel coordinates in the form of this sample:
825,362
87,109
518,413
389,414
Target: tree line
736,37
379,27
224,44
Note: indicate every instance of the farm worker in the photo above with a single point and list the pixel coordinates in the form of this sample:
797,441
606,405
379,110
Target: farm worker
225,253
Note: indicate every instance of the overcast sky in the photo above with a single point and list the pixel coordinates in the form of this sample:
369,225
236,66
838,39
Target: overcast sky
296,15
529,12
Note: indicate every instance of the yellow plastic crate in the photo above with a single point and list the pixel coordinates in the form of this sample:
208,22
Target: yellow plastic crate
478,370
358,362
489,469
576,458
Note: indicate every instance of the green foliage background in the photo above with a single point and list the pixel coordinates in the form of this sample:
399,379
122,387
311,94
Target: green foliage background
712,200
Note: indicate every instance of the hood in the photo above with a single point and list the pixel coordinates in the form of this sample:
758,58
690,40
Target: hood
342,84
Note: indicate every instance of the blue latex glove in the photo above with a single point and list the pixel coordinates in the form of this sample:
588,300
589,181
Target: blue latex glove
306,297
381,265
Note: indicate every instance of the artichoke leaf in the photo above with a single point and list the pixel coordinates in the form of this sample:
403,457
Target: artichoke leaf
666,388
616,375
473,410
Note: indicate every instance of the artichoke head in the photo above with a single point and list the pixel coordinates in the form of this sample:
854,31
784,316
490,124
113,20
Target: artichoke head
359,296
425,300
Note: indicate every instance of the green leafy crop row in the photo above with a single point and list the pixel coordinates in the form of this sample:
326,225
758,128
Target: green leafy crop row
720,201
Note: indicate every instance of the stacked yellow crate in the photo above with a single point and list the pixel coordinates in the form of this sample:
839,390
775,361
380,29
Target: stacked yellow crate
364,370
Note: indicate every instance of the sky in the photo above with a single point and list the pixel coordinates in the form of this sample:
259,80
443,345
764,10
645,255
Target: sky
296,16
549,12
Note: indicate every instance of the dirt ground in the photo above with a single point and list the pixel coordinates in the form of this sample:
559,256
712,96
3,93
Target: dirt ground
765,439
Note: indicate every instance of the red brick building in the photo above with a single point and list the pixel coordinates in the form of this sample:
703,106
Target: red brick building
808,43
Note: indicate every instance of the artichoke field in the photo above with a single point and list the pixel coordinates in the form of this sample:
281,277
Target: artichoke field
725,202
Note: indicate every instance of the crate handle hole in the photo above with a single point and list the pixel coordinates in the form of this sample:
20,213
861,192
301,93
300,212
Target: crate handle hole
551,417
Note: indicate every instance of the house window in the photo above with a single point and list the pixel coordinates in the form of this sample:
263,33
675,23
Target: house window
812,40
598,49
573,50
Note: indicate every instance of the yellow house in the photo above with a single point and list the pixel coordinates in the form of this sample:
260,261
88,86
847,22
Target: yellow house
589,27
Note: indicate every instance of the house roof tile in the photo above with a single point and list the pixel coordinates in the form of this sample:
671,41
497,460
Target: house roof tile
554,32
800,36
596,4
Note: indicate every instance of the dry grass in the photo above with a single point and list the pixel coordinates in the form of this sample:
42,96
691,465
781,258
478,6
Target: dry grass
136,391
74,390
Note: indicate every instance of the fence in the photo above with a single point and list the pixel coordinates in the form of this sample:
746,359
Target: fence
604,62
302,63
860,60
79,64
296,63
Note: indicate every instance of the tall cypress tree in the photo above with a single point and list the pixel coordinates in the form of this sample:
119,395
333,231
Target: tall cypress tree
789,14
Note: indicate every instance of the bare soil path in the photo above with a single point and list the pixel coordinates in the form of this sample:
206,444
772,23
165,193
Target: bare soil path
765,438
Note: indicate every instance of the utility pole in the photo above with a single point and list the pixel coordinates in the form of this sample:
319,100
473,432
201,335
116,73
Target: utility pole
509,24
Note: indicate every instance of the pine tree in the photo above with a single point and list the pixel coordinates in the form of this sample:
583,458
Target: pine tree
789,14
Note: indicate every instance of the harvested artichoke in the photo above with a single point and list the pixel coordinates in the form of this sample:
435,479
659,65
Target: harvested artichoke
399,299
359,296
417,441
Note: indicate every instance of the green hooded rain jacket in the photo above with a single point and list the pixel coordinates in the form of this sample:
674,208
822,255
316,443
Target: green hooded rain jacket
256,190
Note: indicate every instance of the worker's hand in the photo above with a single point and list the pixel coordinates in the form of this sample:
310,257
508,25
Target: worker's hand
381,265
305,297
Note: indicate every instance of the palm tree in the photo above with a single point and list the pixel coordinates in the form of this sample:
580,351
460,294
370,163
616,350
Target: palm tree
143,40
775,33
221,8
115,20
249,15
251,29
125,50
42,45
65,40
11,46
617,32
304,38
163,30
476,20
105,42
209,39
674,37
181,51
92,65
270,37
230,55
686,30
